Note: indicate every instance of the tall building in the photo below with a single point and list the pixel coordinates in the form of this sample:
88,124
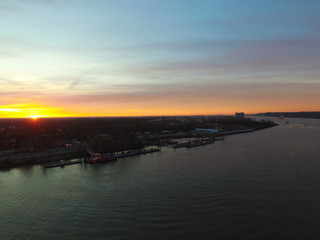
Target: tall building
240,115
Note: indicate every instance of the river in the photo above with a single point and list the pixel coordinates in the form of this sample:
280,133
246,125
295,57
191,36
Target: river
259,185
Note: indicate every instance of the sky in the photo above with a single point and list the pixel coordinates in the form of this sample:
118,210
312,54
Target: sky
158,57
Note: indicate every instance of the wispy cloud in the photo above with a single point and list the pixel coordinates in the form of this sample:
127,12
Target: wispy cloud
190,98
9,7
170,92
81,78
241,59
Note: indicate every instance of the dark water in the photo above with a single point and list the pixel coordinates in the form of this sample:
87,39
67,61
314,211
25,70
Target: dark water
261,185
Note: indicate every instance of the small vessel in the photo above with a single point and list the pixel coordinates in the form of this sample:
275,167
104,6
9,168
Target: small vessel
102,158
299,125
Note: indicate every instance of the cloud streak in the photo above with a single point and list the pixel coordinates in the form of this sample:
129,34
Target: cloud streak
170,96
9,7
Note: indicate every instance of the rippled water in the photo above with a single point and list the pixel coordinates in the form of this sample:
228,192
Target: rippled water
260,185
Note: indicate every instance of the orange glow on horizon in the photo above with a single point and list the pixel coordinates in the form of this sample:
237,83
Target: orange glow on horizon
29,111
36,111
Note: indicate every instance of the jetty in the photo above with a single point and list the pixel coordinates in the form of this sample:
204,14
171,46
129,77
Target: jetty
62,163
236,131
50,155
199,143
137,152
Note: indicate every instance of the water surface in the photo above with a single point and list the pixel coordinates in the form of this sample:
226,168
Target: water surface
260,185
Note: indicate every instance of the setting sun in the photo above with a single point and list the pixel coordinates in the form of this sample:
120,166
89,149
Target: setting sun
33,111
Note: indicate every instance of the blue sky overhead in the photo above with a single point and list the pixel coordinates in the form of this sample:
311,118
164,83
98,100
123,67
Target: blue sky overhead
139,57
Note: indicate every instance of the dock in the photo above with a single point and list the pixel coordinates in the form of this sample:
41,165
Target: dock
134,153
62,163
200,143
237,131
220,138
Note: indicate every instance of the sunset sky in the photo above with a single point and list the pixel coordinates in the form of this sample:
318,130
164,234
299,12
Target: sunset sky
158,57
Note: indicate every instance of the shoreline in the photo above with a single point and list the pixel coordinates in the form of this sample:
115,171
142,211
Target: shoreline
29,158
67,153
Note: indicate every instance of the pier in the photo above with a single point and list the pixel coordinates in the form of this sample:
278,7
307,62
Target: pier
236,131
134,153
62,163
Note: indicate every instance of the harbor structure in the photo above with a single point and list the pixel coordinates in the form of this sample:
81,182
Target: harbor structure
206,131
240,115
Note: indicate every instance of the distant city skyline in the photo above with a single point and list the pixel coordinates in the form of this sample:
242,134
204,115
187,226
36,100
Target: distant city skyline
170,57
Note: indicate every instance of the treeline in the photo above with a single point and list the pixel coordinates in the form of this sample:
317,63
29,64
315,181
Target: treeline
106,134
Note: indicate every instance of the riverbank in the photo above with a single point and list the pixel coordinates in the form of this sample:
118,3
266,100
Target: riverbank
41,157
76,151
53,157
